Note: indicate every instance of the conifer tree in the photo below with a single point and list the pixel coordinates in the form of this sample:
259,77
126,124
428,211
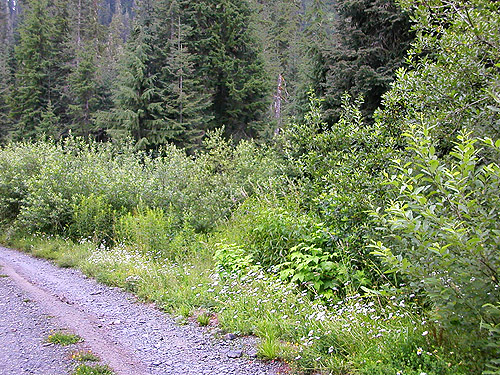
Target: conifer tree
278,27
139,105
86,93
372,37
49,122
227,63
113,49
6,51
316,41
42,58
187,102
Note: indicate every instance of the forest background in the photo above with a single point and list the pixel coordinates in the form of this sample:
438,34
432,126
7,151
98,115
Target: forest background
321,174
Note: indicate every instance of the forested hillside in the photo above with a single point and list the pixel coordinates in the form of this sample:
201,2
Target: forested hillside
168,71
324,175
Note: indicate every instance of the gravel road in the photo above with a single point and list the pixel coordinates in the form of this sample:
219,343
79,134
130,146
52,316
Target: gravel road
131,337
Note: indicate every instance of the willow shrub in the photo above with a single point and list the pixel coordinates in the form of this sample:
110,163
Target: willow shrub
61,188
443,227
18,164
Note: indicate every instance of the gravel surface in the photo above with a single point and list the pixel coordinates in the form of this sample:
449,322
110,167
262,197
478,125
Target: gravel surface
23,331
131,337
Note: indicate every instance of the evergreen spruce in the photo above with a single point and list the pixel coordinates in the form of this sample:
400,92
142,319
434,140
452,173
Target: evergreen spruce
227,63
187,101
372,37
278,28
42,58
6,52
139,105
86,93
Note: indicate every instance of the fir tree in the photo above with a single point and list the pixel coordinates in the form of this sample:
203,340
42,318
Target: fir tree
114,46
42,66
227,63
139,105
49,123
85,91
372,39
187,102
6,52
278,27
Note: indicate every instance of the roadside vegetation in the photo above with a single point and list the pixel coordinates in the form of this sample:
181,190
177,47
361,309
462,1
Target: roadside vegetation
63,338
362,247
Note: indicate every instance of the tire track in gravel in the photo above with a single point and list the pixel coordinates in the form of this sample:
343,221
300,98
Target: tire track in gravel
68,316
23,331
132,338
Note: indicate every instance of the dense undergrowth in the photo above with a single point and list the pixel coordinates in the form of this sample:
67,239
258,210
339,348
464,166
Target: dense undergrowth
356,248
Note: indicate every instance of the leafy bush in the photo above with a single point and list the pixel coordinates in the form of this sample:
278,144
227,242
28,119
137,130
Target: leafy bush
42,183
443,227
232,258
150,230
266,229
328,273
339,170
93,217
18,164
452,70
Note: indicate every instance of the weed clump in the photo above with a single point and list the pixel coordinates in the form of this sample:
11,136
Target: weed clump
63,338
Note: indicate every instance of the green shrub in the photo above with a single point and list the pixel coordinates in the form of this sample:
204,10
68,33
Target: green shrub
324,272
338,176
150,230
92,217
443,228
451,71
18,164
232,258
266,229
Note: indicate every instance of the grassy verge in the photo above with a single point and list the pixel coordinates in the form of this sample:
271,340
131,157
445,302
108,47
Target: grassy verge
368,336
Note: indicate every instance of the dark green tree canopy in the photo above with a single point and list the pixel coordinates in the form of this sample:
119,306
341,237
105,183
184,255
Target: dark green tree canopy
369,45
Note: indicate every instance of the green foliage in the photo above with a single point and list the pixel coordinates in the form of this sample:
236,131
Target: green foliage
41,183
42,56
269,348
139,109
92,217
85,356
323,272
232,258
64,339
370,44
87,97
338,171
84,369
266,230
203,319
339,167
227,63
151,231
493,329
186,99
447,212
18,163
451,78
